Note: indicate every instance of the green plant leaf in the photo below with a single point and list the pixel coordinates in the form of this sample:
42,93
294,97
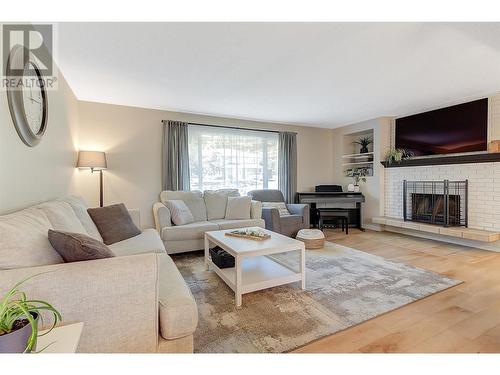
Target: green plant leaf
15,305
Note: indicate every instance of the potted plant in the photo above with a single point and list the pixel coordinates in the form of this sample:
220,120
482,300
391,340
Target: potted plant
396,155
364,142
358,175
19,320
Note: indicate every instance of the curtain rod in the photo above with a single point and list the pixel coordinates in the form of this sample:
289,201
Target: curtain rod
233,127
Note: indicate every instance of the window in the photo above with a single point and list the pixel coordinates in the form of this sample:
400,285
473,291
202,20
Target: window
232,158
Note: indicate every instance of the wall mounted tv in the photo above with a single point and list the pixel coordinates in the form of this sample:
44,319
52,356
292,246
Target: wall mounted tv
456,129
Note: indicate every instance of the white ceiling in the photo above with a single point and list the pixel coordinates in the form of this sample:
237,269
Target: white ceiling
316,74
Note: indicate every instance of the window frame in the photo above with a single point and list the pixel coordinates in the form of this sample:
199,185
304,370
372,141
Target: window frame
265,136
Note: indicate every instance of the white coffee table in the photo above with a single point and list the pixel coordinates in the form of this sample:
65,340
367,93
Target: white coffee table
253,269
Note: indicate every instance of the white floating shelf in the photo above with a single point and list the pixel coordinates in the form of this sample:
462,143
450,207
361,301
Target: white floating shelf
354,155
358,163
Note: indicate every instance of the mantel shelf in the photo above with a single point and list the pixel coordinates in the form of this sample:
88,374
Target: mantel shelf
443,160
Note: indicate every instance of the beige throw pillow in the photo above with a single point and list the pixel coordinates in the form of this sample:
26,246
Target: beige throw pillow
238,208
216,202
179,212
280,206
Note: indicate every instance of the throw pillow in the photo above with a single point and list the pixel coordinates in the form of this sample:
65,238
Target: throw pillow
238,208
193,199
114,223
76,247
216,202
179,212
280,206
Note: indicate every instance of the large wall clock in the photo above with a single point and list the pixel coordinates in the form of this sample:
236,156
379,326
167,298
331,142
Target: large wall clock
27,102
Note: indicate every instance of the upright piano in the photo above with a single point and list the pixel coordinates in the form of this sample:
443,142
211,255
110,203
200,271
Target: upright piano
332,196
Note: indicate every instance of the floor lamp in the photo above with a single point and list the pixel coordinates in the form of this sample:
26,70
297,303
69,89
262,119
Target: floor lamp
95,161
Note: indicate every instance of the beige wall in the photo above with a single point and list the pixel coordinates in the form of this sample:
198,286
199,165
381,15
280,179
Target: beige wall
132,139
373,189
31,175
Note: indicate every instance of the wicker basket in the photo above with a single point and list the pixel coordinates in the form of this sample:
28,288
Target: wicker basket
312,238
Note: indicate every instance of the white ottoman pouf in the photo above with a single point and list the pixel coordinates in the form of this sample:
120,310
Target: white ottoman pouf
312,238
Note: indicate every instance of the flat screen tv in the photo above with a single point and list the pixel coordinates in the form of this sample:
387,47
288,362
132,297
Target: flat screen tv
456,129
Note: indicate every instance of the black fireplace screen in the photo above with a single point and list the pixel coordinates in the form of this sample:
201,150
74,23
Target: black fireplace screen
435,202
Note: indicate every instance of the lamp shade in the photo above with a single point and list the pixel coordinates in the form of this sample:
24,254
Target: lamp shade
92,159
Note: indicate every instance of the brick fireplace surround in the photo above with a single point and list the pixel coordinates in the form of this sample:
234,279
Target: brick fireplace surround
484,190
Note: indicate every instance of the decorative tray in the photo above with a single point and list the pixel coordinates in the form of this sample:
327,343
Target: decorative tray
254,234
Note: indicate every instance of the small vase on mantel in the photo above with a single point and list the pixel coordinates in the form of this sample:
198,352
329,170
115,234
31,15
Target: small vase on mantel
351,187
356,188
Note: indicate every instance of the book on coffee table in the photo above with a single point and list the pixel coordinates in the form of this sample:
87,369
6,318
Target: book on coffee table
256,234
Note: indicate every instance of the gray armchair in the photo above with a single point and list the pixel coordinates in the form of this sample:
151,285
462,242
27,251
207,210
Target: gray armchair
287,225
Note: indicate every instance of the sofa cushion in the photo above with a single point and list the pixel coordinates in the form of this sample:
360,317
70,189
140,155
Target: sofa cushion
193,200
77,247
179,194
147,242
216,202
188,232
24,241
179,212
177,307
80,207
62,216
197,208
238,208
114,223
233,224
256,209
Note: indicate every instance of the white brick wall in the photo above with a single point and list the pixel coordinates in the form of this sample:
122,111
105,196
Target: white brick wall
484,189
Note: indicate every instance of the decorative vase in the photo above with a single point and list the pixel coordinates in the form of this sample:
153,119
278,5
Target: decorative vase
16,341
350,187
356,188
363,150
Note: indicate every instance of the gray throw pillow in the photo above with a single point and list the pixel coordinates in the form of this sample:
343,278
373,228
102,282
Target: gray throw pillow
114,223
179,212
76,247
238,208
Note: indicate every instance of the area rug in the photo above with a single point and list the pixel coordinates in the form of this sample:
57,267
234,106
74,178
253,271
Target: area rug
344,287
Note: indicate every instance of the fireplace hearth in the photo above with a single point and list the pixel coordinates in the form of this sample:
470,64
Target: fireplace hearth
436,202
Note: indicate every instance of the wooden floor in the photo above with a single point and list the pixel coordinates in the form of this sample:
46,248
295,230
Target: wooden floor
464,318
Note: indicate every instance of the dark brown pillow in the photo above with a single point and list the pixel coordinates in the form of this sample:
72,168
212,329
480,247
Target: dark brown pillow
114,223
75,247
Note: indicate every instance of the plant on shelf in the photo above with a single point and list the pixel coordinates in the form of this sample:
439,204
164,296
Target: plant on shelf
19,320
364,142
358,175
395,155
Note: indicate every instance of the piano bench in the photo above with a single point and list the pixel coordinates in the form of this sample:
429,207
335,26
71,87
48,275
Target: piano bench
334,214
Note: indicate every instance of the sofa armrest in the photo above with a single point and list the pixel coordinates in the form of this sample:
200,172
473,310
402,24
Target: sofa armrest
135,214
162,216
300,209
271,217
256,210
116,299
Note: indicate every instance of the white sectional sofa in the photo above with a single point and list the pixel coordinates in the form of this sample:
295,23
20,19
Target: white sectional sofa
134,302
208,209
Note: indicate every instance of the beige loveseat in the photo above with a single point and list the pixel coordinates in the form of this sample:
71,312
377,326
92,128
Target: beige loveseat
134,302
208,209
